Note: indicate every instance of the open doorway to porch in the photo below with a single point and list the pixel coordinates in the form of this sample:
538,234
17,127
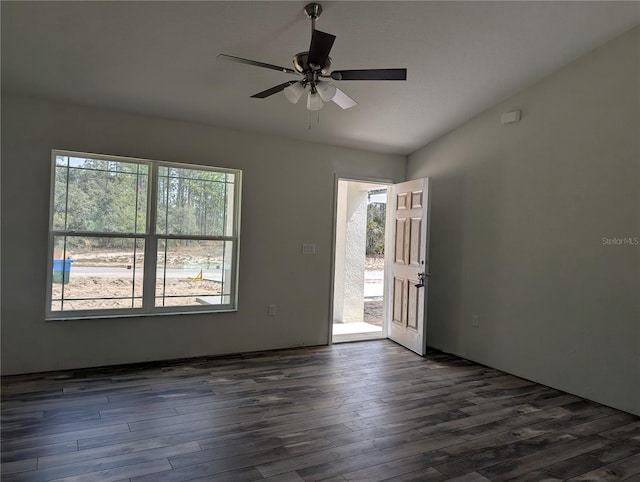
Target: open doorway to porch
358,298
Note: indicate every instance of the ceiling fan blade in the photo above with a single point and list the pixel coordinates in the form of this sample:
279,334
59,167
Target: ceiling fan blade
273,90
370,74
320,47
255,63
343,100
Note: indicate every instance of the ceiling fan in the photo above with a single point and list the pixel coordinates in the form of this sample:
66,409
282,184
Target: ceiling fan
314,65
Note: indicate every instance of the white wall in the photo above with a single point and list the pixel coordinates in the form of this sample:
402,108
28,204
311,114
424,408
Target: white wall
288,199
518,216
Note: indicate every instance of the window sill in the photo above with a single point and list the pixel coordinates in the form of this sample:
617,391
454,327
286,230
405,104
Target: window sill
112,316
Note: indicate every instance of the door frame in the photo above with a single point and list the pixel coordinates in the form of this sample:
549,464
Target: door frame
334,218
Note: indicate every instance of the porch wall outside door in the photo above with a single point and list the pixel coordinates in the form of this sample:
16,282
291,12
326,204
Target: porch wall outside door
351,239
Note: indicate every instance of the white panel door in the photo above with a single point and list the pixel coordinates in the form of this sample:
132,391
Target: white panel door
409,203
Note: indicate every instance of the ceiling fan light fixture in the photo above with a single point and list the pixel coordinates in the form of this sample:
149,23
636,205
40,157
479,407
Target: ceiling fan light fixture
294,92
314,101
326,90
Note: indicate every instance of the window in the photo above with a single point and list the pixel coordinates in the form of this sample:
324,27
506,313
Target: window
131,236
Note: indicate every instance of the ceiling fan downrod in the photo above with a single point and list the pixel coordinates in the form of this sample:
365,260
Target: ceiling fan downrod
313,11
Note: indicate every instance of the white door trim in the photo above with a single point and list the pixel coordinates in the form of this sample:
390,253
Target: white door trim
345,177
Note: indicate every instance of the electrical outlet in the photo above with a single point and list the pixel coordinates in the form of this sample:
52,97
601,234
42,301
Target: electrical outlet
271,310
474,321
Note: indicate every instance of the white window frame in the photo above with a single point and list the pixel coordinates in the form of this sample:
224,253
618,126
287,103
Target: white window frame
151,243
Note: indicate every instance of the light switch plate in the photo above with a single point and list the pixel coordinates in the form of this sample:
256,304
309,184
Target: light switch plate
308,248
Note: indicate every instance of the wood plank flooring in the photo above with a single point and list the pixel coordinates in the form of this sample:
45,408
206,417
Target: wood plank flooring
368,411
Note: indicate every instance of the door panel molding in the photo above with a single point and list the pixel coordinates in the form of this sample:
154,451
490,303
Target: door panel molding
410,215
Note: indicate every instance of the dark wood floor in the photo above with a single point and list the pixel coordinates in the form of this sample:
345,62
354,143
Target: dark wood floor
361,411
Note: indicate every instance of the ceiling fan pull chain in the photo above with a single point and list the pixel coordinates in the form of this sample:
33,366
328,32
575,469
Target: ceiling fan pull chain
317,118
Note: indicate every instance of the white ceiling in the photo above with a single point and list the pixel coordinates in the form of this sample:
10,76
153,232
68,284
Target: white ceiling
159,58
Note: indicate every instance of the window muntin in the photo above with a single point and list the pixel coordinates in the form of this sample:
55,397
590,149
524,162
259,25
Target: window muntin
192,202
109,275
132,236
122,188
193,272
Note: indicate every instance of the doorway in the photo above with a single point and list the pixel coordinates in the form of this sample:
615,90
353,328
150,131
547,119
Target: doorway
359,284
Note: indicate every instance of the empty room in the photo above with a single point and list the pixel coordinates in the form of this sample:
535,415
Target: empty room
340,241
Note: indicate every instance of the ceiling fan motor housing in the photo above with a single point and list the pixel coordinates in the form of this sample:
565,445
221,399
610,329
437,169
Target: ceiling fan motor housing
302,65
